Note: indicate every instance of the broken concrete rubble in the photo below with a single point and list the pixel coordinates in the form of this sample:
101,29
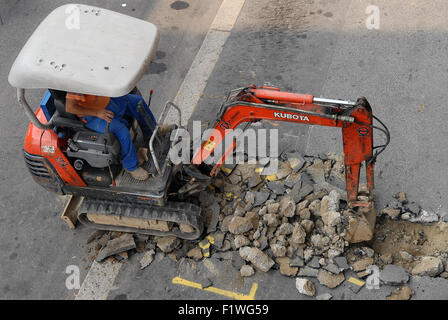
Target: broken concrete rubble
401,197
394,275
115,246
241,241
314,263
276,187
391,212
359,228
287,207
324,296
296,262
247,271
403,293
214,210
362,264
428,266
147,258
278,250
341,262
331,218
97,234
305,286
195,254
239,225
298,236
295,224
425,217
308,272
167,244
295,161
285,268
260,198
332,268
329,279
401,208
257,257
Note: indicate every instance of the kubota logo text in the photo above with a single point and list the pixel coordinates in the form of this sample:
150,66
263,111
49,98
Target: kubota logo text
291,116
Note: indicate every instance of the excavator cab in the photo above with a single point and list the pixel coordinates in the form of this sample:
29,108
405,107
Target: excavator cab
86,50
89,50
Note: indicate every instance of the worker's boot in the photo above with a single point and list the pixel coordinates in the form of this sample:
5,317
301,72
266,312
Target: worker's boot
139,174
142,155
165,128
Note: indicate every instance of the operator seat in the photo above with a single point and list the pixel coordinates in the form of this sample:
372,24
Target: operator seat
99,150
59,104
63,118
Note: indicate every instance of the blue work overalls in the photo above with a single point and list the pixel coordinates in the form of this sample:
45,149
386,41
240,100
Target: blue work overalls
125,105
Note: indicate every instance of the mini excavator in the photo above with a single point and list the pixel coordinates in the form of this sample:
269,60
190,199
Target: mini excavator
66,158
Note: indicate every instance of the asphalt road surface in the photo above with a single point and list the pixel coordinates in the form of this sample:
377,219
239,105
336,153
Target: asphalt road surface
321,47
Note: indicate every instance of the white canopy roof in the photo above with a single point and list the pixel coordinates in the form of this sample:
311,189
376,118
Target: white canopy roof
105,54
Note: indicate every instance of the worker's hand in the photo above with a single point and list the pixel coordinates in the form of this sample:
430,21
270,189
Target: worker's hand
105,115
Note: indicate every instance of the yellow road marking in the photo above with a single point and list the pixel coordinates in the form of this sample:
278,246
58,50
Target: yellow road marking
356,281
204,246
211,239
226,170
226,293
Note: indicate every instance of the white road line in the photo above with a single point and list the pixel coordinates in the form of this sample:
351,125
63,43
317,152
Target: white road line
228,13
203,64
101,277
99,281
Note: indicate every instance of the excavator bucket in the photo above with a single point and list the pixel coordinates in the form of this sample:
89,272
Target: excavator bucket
362,219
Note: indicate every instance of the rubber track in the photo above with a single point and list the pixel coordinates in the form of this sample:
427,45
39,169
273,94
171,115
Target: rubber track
178,212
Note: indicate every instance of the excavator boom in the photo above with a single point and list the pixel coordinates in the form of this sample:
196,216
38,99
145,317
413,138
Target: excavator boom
267,103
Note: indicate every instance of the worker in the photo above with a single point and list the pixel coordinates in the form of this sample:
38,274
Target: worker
96,112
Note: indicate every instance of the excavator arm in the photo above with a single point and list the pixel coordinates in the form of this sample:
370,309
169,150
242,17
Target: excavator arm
267,103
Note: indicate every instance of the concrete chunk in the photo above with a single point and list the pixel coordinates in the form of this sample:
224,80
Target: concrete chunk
341,262
305,286
121,244
428,266
239,225
260,198
394,275
247,271
285,268
308,272
147,258
167,244
257,257
324,296
329,279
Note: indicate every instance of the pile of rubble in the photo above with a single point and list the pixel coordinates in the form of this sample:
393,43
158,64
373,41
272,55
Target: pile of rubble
295,221
401,208
286,220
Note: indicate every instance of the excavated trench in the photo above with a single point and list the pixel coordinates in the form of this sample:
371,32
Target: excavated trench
419,240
